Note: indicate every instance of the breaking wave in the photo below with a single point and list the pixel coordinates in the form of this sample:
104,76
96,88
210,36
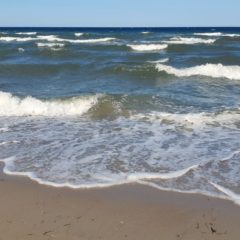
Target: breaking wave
148,47
208,70
184,40
217,34
14,106
53,38
16,39
26,33
78,34
42,45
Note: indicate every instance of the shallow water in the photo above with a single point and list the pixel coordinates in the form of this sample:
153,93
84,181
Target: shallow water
100,107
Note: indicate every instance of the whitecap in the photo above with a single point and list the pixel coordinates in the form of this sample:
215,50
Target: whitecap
163,60
79,34
50,45
29,106
218,34
16,39
147,47
53,38
26,33
208,70
184,40
21,50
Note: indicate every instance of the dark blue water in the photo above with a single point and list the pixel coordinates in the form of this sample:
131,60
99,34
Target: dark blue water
91,107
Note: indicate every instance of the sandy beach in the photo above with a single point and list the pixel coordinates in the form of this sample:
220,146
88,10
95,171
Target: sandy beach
32,211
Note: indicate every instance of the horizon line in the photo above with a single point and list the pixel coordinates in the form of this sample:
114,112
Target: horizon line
120,27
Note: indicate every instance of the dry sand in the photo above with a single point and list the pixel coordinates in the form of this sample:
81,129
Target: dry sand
31,211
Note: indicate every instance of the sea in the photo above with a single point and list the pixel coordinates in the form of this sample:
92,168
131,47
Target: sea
98,107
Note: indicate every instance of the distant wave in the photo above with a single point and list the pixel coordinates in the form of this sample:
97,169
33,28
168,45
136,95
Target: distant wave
16,39
184,40
14,106
50,45
217,34
53,38
78,34
26,33
163,60
209,70
21,50
147,47
146,32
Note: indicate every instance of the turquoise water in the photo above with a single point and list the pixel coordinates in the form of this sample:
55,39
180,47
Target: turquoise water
100,107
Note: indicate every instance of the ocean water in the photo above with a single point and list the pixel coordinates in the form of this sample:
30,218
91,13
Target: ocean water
85,107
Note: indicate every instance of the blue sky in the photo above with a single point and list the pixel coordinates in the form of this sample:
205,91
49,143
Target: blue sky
113,13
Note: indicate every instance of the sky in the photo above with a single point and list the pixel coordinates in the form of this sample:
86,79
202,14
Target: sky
119,13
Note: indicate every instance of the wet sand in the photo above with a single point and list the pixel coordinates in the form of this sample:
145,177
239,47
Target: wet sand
32,211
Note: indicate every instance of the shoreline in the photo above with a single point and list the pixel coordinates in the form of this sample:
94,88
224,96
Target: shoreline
29,210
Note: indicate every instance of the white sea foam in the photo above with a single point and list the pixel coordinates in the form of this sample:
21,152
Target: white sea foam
51,45
193,120
232,196
217,34
146,32
79,34
26,33
164,60
53,38
7,143
29,106
4,129
50,38
109,179
21,50
208,70
184,40
148,47
213,34
164,176
16,39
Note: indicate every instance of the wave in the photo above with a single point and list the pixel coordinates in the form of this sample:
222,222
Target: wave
164,60
208,70
50,45
148,47
21,50
183,40
79,34
214,34
146,32
53,38
14,106
217,34
16,39
26,33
